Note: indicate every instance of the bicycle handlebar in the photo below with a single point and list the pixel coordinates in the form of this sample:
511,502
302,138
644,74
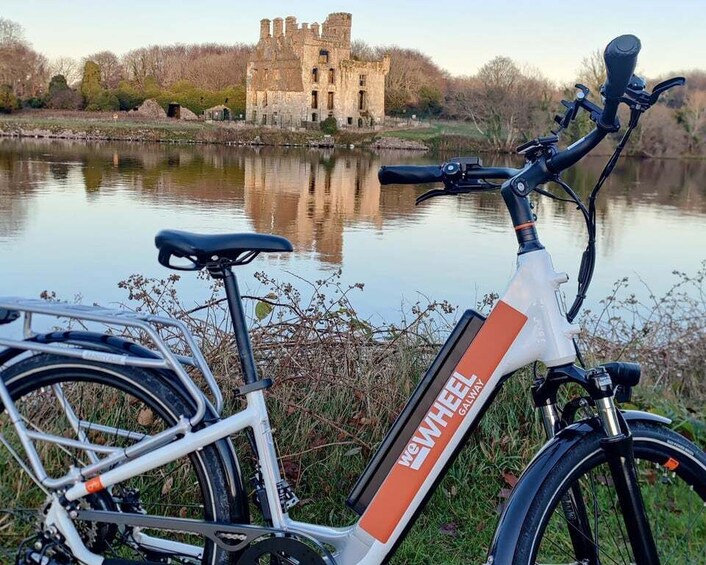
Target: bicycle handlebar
421,174
620,57
620,60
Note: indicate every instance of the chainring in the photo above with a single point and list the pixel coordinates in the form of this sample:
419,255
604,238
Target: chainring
281,551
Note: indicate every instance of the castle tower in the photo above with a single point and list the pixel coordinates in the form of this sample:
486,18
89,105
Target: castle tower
337,27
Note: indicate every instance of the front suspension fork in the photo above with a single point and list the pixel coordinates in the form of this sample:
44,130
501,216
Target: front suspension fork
618,448
572,502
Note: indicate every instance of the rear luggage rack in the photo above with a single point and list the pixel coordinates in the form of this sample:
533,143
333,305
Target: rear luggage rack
149,325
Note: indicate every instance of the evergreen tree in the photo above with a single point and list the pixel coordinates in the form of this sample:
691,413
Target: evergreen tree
91,82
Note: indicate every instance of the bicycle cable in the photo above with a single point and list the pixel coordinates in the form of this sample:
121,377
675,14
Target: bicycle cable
588,259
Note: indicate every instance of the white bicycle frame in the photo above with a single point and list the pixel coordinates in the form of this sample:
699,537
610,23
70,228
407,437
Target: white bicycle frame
526,325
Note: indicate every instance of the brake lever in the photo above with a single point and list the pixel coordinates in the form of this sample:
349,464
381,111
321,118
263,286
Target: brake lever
430,194
456,189
636,92
663,86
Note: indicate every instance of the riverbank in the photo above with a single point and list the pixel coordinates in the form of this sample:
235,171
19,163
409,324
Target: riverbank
127,127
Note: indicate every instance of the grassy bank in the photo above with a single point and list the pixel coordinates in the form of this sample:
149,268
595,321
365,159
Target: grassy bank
127,127
444,136
102,126
340,383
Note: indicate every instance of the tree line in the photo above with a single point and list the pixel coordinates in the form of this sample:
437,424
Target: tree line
507,104
503,102
196,76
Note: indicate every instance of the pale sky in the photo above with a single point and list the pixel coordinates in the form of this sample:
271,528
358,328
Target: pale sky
459,36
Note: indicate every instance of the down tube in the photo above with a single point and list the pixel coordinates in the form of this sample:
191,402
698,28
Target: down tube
458,405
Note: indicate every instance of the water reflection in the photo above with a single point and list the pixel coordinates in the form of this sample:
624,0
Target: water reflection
320,200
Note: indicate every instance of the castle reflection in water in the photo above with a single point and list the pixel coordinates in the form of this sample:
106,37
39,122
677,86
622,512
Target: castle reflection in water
309,196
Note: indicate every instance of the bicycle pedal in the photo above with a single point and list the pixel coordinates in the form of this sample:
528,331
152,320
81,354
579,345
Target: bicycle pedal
287,498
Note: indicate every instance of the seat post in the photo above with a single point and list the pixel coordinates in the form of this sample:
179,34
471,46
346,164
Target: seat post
240,328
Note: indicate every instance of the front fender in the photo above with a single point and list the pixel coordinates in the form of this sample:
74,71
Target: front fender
115,344
509,528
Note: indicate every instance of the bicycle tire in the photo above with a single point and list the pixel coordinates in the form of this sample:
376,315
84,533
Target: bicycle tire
109,391
545,537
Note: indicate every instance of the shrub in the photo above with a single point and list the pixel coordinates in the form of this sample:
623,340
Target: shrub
8,100
57,84
329,125
67,99
34,102
104,102
128,96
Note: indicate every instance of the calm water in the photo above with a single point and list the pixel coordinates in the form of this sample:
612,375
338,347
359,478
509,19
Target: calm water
77,218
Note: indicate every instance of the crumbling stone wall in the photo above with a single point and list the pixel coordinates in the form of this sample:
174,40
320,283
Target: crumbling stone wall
302,74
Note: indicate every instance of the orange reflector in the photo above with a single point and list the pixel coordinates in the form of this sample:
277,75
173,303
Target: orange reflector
94,485
671,464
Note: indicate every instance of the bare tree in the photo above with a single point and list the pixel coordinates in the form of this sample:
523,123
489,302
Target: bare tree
592,71
22,68
11,33
659,134
361,51
110,68
504,104
412,77
693,118
209,66
66,67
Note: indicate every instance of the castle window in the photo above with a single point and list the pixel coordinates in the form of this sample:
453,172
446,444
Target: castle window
323,57
315,75
329,105
264,98
314,100
362,100
331,76
362,79
350,121
264,119
313,117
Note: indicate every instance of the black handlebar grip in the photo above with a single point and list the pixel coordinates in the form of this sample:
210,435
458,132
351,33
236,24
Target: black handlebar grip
410,174
620,57
626,374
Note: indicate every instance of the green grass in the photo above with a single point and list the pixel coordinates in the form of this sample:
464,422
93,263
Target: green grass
442,136
435,129
98,121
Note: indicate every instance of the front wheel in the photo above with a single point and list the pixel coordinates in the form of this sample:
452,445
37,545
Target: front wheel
672,476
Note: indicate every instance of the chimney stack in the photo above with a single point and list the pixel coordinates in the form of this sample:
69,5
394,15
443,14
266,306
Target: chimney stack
290,25
264,29
277,27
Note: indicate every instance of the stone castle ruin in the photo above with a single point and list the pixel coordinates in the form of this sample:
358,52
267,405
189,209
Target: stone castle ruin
300,75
